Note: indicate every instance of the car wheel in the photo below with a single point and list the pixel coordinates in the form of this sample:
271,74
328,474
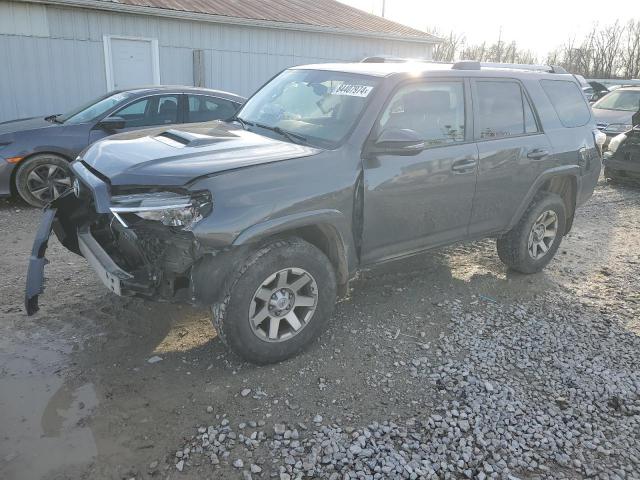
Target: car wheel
533,242
277,302
43,178
608,176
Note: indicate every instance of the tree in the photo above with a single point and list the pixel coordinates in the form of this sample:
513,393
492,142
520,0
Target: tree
607,51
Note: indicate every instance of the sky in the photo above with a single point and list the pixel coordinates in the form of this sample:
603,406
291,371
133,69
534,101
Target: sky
538,26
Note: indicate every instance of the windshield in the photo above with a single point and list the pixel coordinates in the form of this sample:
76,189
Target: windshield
92,110
627,100
318,106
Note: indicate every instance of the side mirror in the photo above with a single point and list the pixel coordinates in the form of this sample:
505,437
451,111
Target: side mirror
111,124
399,141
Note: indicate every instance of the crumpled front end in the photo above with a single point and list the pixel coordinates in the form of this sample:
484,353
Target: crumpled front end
139,244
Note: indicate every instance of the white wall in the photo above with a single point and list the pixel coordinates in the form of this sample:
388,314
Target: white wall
52,58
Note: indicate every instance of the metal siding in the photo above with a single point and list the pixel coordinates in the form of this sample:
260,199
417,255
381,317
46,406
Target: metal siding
55,74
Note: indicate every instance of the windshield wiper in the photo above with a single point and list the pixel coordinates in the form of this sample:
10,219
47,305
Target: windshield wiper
53,118
292,137
242,122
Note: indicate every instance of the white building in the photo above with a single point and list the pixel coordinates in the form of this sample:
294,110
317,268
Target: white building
57,54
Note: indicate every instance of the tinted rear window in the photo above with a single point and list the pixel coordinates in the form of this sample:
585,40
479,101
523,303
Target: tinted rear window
503,110
568,101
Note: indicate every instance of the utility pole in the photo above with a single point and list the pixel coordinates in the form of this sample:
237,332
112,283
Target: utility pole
383,5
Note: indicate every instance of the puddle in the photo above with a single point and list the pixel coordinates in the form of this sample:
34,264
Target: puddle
43,419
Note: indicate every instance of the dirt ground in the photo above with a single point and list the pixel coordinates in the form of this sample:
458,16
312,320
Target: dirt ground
79,399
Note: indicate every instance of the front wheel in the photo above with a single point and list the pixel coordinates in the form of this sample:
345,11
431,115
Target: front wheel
277,302
533,242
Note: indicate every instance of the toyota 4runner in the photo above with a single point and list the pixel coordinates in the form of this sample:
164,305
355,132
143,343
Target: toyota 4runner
325,170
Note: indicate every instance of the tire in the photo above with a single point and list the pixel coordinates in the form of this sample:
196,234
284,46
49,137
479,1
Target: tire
610,177
255,290
42,178
514,247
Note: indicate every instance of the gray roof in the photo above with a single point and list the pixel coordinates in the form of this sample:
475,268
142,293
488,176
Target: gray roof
323,14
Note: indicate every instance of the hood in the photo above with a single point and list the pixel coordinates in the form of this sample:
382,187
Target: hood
611,116
25,124
185,152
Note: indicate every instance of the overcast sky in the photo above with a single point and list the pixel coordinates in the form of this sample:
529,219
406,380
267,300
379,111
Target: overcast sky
538,26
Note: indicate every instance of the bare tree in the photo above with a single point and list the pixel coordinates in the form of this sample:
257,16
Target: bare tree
605,52
446,51
631,57
455,47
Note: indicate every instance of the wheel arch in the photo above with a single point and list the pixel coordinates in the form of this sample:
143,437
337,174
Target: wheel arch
567,187
325,229
565,181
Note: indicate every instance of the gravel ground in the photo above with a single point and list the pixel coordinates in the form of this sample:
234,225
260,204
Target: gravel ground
441,366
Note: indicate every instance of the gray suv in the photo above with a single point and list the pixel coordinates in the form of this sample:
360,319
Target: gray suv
325,170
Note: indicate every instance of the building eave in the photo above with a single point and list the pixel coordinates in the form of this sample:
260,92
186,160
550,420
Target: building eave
248,22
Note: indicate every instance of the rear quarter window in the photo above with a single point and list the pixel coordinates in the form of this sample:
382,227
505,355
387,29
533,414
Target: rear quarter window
568,102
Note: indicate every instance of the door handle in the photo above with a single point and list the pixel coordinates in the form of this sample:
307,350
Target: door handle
466,165
537,153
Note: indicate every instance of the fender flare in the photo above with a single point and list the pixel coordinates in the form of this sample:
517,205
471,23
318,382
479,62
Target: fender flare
333,220
566,170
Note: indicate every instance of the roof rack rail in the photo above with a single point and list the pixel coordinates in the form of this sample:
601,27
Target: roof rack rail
392,59
466,65
473,65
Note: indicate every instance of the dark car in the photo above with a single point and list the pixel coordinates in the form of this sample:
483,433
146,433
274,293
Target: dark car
35,152
622,160
328,169
594,91
613,112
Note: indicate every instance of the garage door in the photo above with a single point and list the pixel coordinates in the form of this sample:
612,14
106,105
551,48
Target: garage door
131,62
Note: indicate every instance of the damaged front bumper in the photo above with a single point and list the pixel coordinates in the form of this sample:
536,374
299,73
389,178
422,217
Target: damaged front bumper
144,258
37,261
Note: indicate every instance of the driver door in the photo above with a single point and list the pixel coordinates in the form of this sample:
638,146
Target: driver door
151,111
424,199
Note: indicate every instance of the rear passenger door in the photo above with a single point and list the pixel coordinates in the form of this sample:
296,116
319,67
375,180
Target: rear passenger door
513,152
205,108
412,202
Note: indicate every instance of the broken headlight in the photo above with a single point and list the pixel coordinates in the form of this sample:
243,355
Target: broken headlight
181,210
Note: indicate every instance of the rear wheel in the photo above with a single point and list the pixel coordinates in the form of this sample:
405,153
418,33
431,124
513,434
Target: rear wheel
533,242
43,178
277,302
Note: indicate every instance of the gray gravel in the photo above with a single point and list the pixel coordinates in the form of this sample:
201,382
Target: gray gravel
444,366
527,391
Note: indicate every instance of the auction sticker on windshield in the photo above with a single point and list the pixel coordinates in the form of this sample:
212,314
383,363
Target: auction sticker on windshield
352,90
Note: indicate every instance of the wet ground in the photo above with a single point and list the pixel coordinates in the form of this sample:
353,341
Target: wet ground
79,398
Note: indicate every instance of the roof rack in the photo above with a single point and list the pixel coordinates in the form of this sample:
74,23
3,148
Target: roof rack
392,59
473,65
467,64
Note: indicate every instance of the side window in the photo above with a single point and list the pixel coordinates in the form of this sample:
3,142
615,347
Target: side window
203,108
568,102
134,113
435,110
150,111
503,110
